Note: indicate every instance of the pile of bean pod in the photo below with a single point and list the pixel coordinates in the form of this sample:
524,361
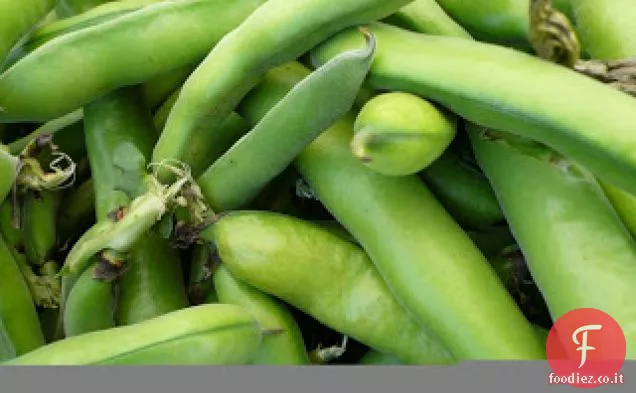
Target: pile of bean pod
294,182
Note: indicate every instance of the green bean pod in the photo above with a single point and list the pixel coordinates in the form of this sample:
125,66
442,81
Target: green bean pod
200,278
576,116
29,91
422,254
285,346
10,232
17,18
236,178
374,357
68,8
8,171
398,134
39,225
426,16
601,39
464,192
579,252
90,305
16,306
156,90
219,334
274,253
624,203
237,63
7,351
152,284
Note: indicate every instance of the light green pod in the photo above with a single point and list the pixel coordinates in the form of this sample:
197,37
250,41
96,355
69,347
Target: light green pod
325,276
8,171
29,90
216,334
66,8
39,225
89,307
505,89
285,345
236,178
17,17
426,16
398,134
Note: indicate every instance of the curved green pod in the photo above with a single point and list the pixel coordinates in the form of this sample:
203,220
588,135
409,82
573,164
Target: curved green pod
426,16
398,134
39,225
579,252
16,306
233,180
606,28
238,62
576,116
423,255
284,346
7,351
29,90
66,8
17,18
217,334
8,171
325,276
90,305
464,192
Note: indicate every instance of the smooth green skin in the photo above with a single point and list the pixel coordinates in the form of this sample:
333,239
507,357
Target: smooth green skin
156,90
285,347
29,91
579,252
68,8
7,351
607,28
573,114
90,305
374,357
153,283
16,306
398,134
218,334
205,147
39,225
426,16
464,192
17,18
119,138
276,33
235,179
12,235
429,263
624,203
77,211
8,171
504,21
324,276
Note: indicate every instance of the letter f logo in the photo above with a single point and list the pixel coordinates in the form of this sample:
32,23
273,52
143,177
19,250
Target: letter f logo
583,343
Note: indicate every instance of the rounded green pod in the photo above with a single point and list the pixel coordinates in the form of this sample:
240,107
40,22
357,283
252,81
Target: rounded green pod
431,266
8,171
233,180
285,345
426,16
398,134
29,90
152,283
10,232
17,18
464,191
66,8
7,351
577,249
374,357
39,225
16,306
217,334
571,113
238,62
325,276
89,306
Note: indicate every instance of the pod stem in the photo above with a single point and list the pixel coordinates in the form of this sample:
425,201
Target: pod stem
32,176
552,35
325,355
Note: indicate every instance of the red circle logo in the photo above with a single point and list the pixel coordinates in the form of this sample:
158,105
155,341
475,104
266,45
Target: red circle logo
586,348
